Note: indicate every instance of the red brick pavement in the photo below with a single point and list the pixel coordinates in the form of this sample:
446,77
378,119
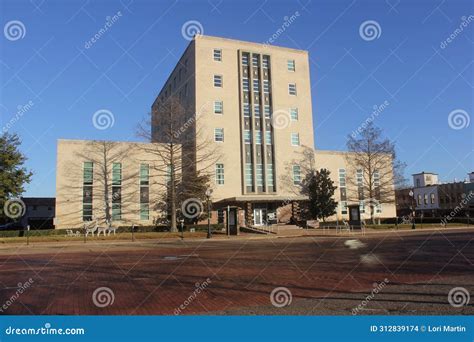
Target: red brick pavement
158,280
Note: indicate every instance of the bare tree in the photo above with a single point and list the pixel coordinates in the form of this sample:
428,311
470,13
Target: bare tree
104,189
373,168
181,148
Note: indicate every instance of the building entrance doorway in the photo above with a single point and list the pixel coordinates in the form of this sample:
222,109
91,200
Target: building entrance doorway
259,216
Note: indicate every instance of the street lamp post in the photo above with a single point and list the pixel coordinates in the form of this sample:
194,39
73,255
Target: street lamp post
208,196
412,195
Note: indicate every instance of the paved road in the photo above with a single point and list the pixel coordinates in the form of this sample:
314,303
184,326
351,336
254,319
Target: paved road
411,273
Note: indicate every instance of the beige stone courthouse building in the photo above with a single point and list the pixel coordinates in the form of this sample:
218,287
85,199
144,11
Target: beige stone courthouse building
254,102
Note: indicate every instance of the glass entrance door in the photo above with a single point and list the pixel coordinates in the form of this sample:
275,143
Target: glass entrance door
259,217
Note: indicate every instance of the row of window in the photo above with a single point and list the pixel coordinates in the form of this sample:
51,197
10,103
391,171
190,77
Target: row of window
290,64
425,199
219,83
360,183
258,174
88,182
219,137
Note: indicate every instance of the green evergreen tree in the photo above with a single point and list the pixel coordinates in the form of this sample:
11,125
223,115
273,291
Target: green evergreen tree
320,189
13,175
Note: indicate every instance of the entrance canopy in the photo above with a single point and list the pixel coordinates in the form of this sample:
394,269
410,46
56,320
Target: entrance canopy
239,201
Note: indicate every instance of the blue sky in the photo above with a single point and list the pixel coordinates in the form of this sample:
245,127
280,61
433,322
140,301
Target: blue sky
408,63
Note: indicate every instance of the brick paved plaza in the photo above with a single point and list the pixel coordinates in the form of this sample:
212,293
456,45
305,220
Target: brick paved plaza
325,275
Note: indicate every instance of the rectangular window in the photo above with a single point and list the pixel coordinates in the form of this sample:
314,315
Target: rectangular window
376,178
218,107
296,174
291,65
247,137
255,60
295,139
245,59
144,192
343,205
116,174
266,86
294,114
292,89
218,81
144,174
342,191
219,134
268,113
169,169
425,199
87,191
116,191
259,174
258,137
220,174
116,203
419,199
342,177
432,198
144,211
268,137
256,86
217,55
256,110
270,174
248,174
378,208
343,194
362,207
246,109
88,172
266,62
245,84
360,184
